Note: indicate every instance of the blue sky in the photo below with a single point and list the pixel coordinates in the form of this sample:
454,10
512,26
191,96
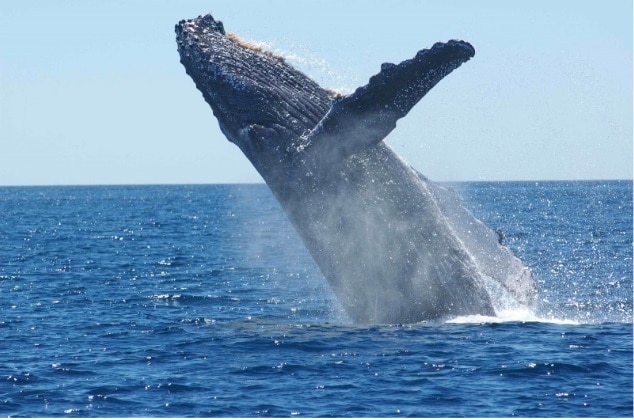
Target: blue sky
92,92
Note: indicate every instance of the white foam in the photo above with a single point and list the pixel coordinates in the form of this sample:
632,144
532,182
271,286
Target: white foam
510,315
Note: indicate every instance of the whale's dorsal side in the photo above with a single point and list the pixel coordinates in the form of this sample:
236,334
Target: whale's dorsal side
394,247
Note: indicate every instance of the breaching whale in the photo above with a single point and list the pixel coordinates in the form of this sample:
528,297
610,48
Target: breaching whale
393,246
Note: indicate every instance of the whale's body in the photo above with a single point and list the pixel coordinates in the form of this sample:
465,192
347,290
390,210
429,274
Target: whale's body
394,247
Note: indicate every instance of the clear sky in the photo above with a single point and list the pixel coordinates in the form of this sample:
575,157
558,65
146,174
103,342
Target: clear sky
92,92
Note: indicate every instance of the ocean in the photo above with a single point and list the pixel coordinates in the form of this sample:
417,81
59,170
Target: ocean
200,300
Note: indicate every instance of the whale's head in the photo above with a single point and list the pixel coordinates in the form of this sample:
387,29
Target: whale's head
259,100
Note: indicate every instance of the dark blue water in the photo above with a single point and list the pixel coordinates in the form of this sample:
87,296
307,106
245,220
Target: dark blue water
202,301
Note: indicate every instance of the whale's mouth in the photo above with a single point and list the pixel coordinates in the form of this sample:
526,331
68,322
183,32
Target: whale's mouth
247,86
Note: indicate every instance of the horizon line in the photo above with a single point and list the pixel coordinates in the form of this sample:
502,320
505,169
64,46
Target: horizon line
141,184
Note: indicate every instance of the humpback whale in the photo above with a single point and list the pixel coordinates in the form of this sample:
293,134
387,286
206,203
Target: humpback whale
393,246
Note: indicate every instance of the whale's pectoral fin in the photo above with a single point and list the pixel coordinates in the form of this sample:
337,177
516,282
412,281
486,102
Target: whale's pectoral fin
368,115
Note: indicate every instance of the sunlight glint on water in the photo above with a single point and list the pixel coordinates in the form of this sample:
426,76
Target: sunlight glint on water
174,301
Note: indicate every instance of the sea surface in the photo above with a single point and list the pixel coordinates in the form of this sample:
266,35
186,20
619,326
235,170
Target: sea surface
200,300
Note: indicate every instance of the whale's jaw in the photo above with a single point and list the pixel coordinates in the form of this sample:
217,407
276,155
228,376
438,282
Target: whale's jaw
256,97
387,240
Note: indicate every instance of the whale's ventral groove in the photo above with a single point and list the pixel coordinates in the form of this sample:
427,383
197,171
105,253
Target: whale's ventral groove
393,246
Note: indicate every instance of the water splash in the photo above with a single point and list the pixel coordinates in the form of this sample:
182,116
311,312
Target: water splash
316,67
511,315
